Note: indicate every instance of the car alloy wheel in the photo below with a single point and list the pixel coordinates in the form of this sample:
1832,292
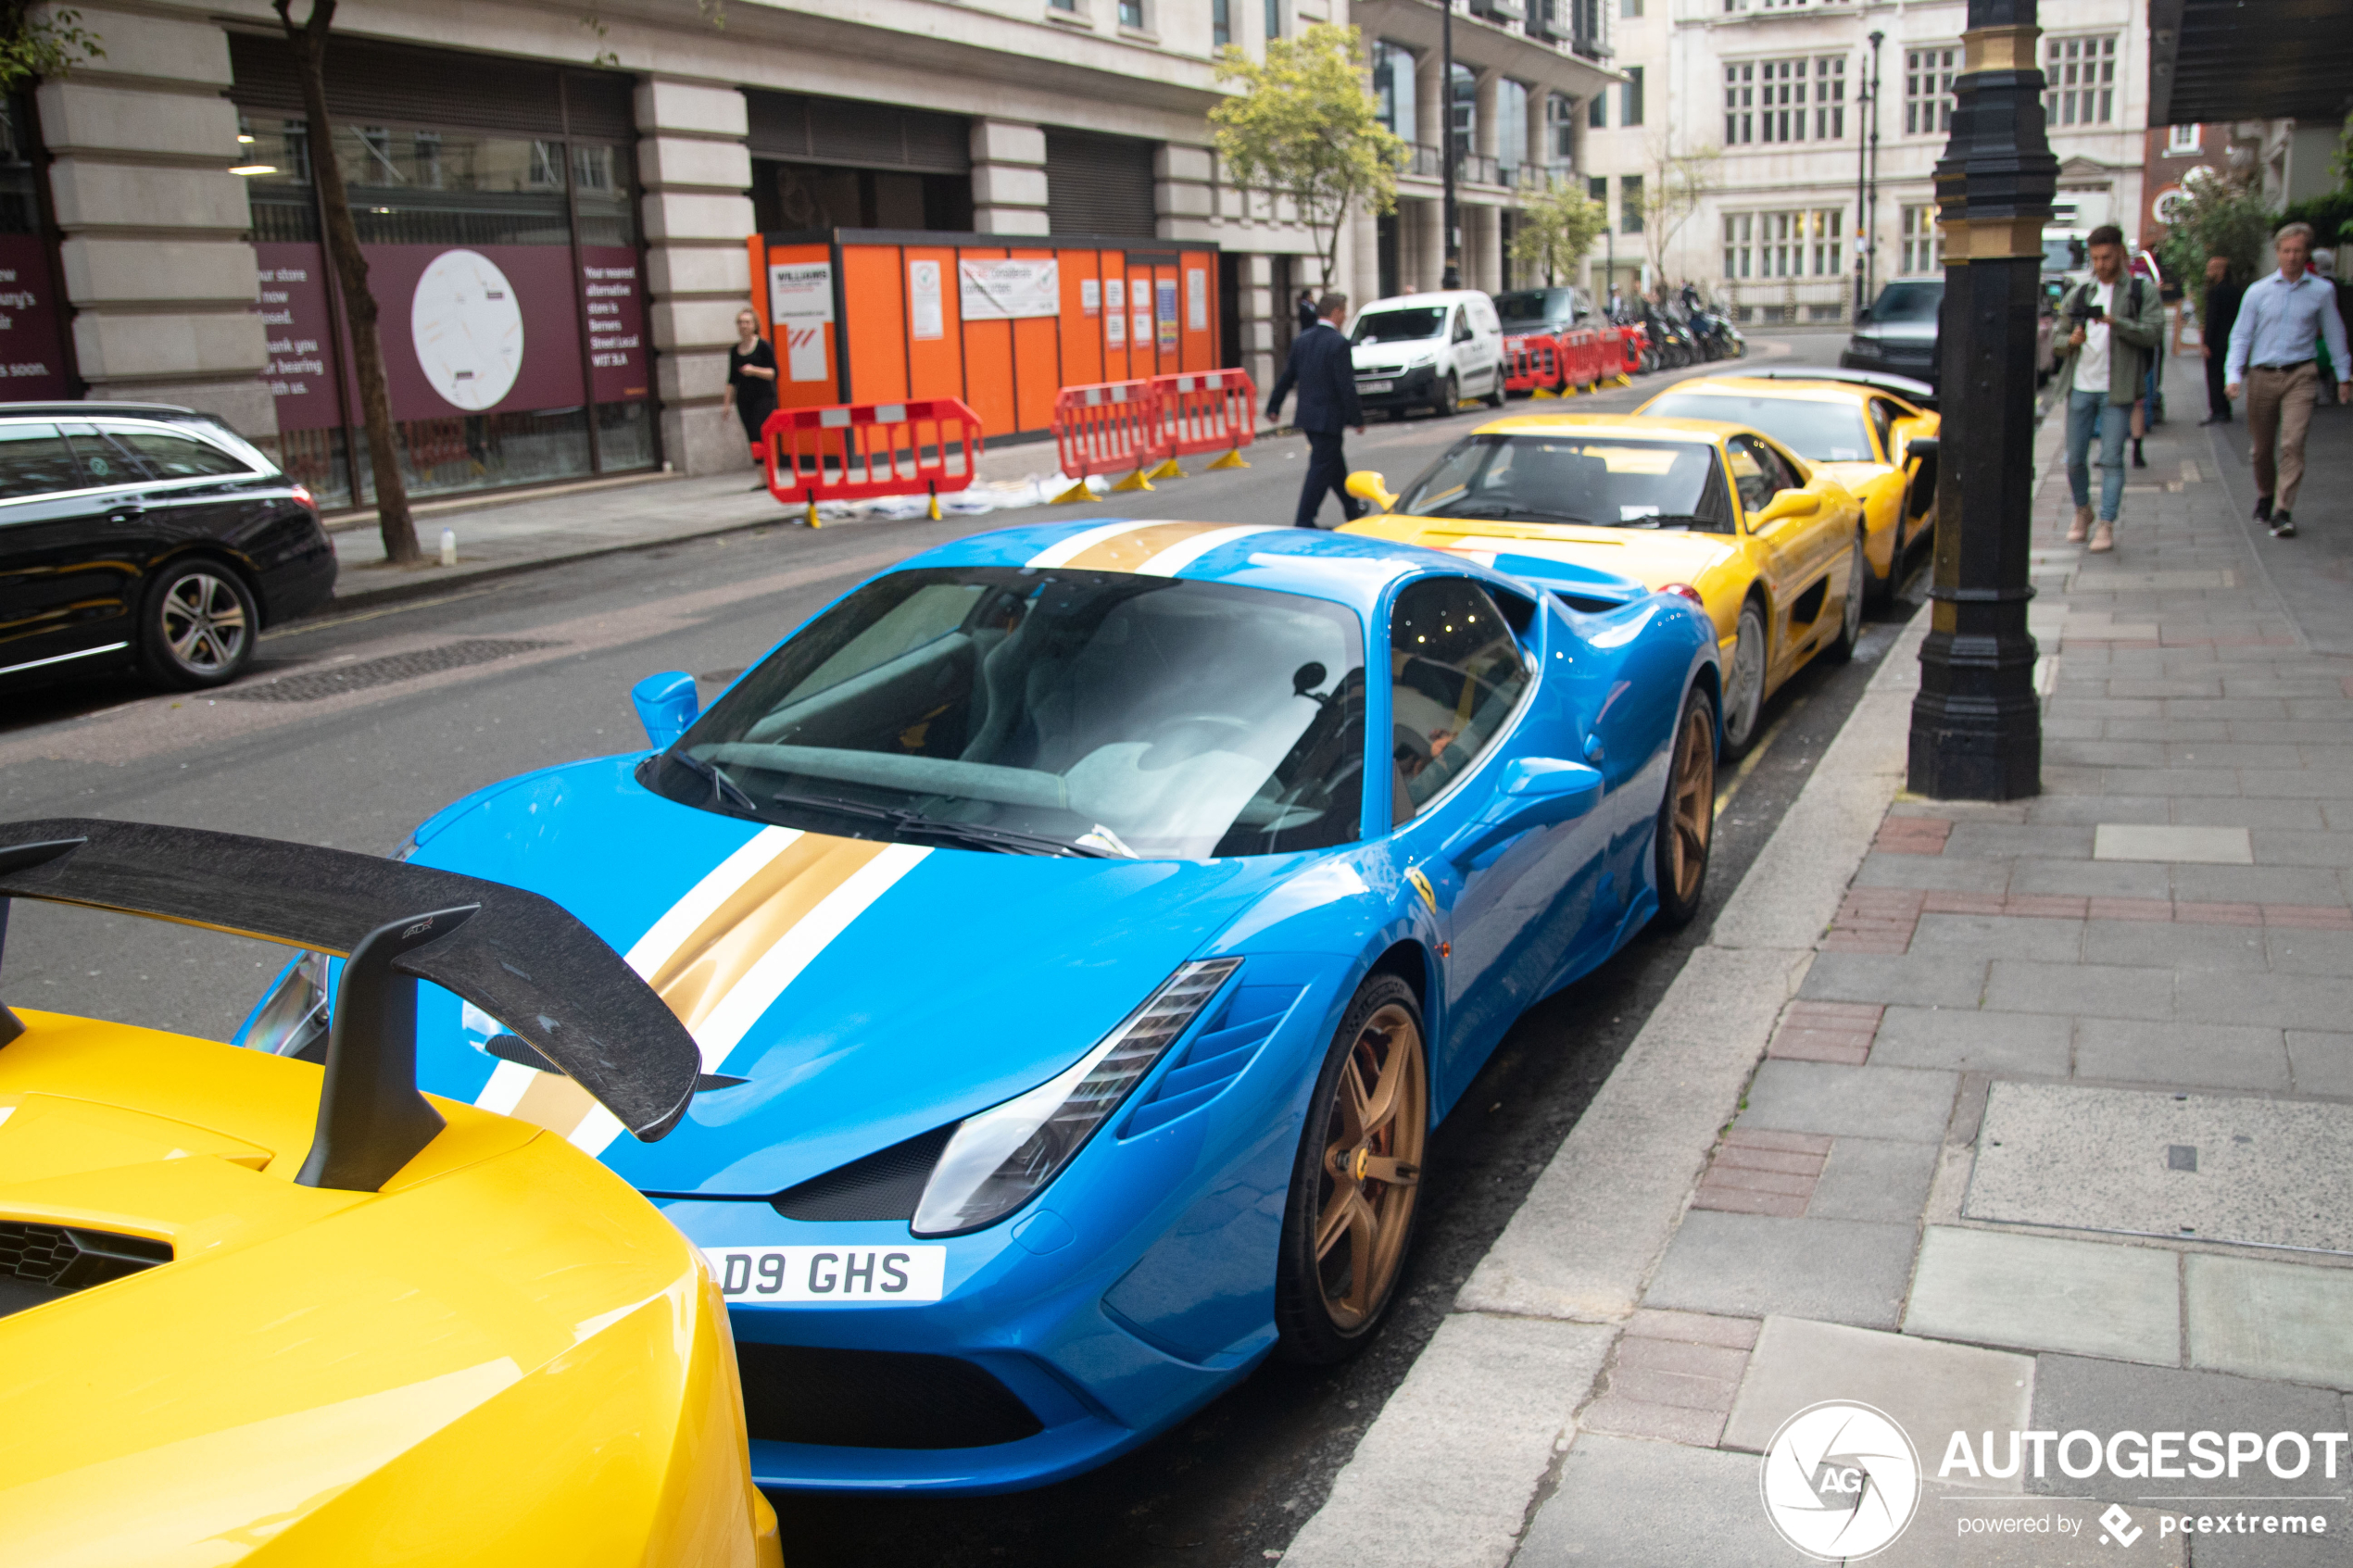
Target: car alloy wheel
1745,682
1353,1192
1687,817
199,628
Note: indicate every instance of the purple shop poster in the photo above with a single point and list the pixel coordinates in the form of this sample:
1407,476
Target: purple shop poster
301,337
33,356
619,367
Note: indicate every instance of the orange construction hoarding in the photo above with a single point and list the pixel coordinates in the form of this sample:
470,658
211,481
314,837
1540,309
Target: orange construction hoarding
1002,322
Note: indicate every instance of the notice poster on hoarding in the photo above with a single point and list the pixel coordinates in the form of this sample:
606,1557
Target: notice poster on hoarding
926,317
1116,294
1115,328
1009,291
619,368
1197,299
1090,296
1165,296
801,302
298,332
33,356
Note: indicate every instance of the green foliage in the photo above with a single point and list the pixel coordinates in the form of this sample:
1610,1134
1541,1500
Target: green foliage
1557,228
2328,214
47,45
2217,215
1304,125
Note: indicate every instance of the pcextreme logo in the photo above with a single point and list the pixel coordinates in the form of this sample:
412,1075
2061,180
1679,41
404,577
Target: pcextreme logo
1840,1481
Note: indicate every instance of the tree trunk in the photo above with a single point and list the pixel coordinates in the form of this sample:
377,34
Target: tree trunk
309,39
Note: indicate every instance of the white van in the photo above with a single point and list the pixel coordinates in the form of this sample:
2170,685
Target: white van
1428,350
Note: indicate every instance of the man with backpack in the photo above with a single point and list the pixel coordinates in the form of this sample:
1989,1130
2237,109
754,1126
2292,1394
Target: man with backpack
2116,324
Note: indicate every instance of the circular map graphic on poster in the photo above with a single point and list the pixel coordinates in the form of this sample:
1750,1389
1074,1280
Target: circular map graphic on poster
468,329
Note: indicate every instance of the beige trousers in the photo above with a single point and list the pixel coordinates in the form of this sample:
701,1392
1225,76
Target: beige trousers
2279,408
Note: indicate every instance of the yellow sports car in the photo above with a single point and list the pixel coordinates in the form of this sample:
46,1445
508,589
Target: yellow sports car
1769,545
255,1310
1870,440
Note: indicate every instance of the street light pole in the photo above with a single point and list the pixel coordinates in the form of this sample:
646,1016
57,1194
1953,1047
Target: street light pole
1870,199
1976,729
1862,165
1454,278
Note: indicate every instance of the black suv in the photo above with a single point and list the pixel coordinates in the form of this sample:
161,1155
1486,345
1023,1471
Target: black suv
139,534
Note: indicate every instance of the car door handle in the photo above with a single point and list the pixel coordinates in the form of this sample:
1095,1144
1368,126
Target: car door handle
127,511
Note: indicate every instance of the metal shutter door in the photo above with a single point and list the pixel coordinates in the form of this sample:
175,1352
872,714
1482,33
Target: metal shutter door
372,83
1100,185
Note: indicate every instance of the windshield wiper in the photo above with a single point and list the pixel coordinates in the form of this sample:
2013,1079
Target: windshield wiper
904,821
723,790
1668,519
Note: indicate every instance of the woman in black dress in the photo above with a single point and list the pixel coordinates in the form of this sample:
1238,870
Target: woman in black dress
752,380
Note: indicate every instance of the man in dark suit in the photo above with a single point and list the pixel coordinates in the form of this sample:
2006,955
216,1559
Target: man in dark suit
2222,296
1325,373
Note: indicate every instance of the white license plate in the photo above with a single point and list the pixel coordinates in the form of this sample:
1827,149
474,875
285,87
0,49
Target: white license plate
828,1273
1374,385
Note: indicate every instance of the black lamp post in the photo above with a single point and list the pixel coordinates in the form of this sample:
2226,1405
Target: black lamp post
1454,278
1976,727
1870,198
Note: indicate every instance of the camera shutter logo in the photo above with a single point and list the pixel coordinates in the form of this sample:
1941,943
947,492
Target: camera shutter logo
1840,1481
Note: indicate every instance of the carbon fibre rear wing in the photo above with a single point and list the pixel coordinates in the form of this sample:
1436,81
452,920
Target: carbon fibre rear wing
517,956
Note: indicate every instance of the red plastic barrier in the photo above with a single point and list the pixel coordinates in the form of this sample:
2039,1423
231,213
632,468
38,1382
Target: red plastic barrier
1207,412
860,451
1532,363
1584,367
1632,342
1105,428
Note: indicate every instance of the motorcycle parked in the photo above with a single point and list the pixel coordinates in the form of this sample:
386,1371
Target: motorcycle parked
1718,339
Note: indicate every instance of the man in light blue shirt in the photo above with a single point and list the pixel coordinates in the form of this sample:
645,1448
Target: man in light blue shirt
2280,321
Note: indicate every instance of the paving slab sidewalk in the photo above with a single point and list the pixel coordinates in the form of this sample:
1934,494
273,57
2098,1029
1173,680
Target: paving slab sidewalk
1771,1202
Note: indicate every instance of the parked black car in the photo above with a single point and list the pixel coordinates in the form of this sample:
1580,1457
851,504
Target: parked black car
1555,309
138,533
1897,334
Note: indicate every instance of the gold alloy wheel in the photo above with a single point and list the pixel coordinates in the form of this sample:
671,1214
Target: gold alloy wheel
1373,1135
1693,817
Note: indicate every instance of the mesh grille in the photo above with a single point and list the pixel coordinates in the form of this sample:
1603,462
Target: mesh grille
41,1262
887,1185
314,686
877,1400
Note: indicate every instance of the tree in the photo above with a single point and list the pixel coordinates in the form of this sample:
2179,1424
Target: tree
1557,228
393,522
2217,215
1304,125
1677,183
50,44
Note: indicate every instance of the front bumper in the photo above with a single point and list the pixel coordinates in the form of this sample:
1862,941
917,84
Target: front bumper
1409,389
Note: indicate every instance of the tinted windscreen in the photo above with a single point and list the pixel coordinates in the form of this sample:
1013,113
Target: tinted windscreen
1909,302
1048,712
1535,306
1606,481
1399,326
1822,432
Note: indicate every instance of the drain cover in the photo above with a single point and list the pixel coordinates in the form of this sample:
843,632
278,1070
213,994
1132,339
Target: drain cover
2259,1172
311,686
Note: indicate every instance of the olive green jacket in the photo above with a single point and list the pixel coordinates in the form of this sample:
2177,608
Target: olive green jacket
2134,335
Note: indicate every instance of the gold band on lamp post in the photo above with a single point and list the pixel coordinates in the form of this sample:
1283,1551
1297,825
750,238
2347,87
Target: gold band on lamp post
1999,48
1991,239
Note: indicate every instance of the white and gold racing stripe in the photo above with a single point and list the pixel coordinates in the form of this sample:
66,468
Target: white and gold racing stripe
1159,549
1179,555
722,954
1060,553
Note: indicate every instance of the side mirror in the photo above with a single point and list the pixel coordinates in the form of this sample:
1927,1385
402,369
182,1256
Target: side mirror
1536,792
1787,504
1863,315
666,704
1367,485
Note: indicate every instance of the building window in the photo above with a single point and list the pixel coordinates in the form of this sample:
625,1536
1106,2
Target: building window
2081,74
1799,99
2182,141
1560,114
1922,247
1629,7
1510,126
1068,7
1597,111
1629,97
1273,19
1221,26
1928,91
1630,204
1808,243
1597,192
1392,87
1131,14
1465,108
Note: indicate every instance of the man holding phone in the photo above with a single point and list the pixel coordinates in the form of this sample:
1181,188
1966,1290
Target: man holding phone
2115,323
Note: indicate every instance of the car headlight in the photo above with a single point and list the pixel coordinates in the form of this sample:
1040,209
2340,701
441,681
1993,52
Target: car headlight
1004,1157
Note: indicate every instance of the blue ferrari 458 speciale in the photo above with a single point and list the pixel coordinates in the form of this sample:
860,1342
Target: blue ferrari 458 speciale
1083,927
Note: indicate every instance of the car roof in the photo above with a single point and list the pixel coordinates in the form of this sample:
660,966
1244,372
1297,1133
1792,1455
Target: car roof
106,410
1647,426
1433,297
1355,570
1824,391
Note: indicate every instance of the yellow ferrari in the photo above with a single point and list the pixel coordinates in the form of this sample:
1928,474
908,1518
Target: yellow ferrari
1771,546
256,1310
1870,440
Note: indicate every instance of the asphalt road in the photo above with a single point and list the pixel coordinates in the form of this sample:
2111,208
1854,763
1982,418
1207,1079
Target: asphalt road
357,768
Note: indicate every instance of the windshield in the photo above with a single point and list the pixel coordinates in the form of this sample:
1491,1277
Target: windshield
1527,308
1607,482
1399,326
1821,433
1909,302
1054,712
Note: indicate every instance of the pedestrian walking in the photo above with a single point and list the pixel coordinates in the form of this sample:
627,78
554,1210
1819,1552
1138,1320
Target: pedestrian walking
2222,294
2118,322
2284,318
751,382
1306,309
1324,371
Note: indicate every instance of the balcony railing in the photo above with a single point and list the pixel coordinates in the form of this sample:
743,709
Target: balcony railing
1424,162
1577,26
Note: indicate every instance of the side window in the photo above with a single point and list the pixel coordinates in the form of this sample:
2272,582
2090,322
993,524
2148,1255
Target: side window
1456,674
1883,421
1462,325
34,462
166,455
1753,471
100,463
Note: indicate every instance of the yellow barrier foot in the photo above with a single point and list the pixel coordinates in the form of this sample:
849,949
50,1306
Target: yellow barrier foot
1139,480
1232,459
810,519
935,508
1543,392
1625,380
1078,492
1167,470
